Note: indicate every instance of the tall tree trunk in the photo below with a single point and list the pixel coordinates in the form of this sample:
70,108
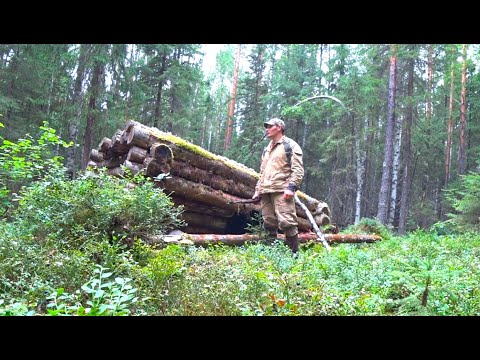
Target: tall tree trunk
462,161
12,85
93,105
74,121
429,87
407,152
389,134
360,155
233,95
448,147
259,78
158,100
218,128
396,162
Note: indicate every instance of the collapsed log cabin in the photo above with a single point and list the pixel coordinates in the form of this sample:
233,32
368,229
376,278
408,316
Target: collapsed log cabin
208,186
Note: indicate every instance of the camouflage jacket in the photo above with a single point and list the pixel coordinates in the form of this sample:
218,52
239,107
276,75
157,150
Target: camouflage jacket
282,167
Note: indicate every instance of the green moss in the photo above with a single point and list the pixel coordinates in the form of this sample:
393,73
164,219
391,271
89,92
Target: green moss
200,151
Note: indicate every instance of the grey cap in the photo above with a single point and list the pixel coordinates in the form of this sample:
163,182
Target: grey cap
275,121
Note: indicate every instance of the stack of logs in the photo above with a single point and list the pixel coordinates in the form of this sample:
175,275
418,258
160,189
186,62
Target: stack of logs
206,184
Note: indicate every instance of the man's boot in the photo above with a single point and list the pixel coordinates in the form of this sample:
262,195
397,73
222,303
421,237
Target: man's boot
293,242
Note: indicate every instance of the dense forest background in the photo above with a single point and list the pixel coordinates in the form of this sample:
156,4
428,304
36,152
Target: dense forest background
408,130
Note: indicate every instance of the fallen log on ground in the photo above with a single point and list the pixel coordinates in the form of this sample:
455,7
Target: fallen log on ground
228,239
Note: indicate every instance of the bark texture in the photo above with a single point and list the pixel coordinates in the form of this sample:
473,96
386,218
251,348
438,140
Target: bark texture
199,239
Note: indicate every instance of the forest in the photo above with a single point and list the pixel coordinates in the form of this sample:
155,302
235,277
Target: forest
391,141
408,129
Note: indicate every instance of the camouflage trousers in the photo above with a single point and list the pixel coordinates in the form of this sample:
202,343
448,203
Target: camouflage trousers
279,213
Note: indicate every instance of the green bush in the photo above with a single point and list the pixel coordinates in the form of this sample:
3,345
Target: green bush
25,161
465,199
94,206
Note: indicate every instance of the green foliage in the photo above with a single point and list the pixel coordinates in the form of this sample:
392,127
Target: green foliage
465,199
96,205
26,160
168,264
99,296
104,297
419,274
369,226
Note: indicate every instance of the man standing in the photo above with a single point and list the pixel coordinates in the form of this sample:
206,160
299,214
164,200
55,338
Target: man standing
281,173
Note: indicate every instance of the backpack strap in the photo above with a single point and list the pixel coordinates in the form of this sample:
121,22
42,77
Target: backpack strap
288,150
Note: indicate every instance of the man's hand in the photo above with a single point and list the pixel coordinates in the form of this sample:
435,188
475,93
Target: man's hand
255,195
288,194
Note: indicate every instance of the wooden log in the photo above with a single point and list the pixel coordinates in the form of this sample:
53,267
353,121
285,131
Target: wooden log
195,174
195,206
104,145
204,194
203,220
162,152
119,146
194,155
129,125
303,224
211,197
136,154
309,202
140,136
134,167
105,148
322,208
153,168
215,167
114,162
228,239
96,156
191,229
163,157
322,219
93,164
118,171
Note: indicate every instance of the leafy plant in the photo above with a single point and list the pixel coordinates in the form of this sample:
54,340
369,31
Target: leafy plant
27,160
104,297
465,199
96,205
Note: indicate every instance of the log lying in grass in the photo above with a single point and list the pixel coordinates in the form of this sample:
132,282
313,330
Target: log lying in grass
204,239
